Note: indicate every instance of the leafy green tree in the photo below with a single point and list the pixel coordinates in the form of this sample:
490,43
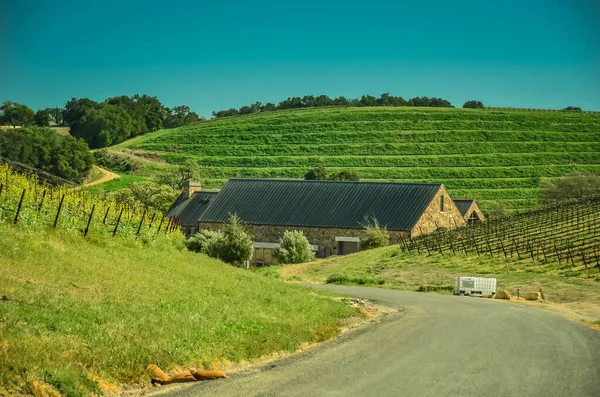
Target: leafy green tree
294,248
153,196
575,185
269,107
473,105
176,178
368,100
573,109
375,235
42,118
323,100
64,156
16,114
341,101
179,116
245,110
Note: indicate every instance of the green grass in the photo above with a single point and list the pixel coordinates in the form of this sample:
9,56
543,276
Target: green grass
418,272
77,310
488,155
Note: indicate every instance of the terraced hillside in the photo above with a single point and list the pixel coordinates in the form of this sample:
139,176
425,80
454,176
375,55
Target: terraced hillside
488,155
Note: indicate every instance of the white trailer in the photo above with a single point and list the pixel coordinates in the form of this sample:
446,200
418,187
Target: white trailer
482,286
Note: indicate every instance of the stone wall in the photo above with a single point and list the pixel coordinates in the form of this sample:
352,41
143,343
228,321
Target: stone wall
433,218
323,237
474,208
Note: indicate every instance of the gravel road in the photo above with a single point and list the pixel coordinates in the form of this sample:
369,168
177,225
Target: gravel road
436,345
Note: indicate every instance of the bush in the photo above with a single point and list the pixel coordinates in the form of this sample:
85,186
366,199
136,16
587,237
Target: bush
231,245
343,279
575,185
375,236
435,287
294,248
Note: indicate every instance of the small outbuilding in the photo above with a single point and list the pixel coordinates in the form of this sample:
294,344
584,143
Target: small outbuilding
470,211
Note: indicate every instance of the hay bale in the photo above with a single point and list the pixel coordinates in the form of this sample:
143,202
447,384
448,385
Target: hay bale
502,294
532,296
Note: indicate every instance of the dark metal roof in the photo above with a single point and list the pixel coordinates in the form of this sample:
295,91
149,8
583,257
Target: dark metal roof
334,204
189,210
463,205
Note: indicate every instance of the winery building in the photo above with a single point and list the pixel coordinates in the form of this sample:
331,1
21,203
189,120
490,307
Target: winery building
330,213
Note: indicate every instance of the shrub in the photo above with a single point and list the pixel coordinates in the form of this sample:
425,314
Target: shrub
375,236
294,248
435,287
343,279
473,105
231,245
575,185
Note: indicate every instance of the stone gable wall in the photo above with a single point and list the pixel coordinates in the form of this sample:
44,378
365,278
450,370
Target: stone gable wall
433,218
474,208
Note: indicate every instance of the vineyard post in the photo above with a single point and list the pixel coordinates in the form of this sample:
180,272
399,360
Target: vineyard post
168,225
160,224
557,253
151,220
516,248
105,216
87,228
489,248
19,207
544,253
452,248
141,222
42,201
503,250
118,220
583,257
58,211
1,188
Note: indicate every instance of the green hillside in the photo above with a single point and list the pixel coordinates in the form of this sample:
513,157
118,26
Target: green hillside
488,155
78,312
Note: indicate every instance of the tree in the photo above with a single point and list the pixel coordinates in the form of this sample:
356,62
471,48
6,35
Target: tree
573,109
575,185
318,173
323,100
176,177
16,114
42,118
473,105
341,101
294,248
375,235
179,116
153,196
64,156
368,100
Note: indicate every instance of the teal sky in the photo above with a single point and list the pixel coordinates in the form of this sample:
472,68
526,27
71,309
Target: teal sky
222,54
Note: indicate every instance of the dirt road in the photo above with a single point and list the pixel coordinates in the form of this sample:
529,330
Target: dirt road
436,345
106,176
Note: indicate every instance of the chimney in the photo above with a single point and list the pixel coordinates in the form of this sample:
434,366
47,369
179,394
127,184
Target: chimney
191,187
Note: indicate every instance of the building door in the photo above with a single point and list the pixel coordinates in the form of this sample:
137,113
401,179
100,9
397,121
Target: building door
347,247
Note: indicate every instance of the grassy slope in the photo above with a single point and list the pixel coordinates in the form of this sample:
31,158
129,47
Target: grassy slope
403,271
78,309
484,154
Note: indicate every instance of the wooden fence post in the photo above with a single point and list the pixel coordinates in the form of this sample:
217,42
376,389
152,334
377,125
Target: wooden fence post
87,228
168,225
118,220
42,201
141,222
160,224
1,188
58,211
19,207
105,216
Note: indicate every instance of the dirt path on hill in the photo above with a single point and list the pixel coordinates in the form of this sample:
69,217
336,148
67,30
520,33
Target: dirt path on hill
106,176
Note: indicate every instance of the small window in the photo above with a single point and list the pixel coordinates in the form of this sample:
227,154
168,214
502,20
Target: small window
442,204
